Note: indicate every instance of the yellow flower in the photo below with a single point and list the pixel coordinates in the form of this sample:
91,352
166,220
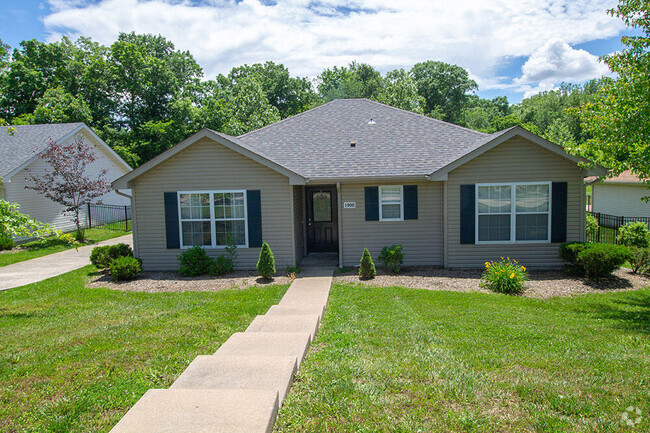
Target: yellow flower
487,264
512,275
515,261
523,268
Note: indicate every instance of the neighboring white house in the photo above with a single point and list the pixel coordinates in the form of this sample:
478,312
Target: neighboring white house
621,195
20,152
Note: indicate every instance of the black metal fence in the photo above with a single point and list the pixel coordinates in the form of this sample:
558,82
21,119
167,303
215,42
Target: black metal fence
608,226
108,216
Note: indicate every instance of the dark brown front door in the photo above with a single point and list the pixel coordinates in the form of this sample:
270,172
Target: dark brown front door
322,233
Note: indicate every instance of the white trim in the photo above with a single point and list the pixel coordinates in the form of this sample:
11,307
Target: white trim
212,220
513,213
401,203
339,221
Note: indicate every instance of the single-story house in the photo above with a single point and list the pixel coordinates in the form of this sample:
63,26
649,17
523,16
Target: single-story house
20,153
620,195
355,174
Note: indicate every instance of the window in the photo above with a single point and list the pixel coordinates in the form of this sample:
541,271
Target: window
211,219
390,203
528,220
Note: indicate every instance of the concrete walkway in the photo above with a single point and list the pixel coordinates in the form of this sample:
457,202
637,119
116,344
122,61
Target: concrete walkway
42,268
241,386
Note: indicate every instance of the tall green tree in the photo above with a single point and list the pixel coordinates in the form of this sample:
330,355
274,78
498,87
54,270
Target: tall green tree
58,106
399,90
444,87
357,80
619,118
290,95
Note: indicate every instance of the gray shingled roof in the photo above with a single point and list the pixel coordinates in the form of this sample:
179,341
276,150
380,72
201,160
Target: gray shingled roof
316,143
28,141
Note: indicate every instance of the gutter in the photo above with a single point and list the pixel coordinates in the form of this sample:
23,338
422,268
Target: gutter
118,192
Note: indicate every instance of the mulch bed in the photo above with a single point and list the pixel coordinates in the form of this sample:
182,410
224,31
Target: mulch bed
542,284
155,282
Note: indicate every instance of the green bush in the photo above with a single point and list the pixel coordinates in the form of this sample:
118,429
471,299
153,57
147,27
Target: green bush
266,262
6,241
392,257
104,255
367,269
600,260
505,276
592,226
569,253
125,268
222,265
194,261
634,234
639,259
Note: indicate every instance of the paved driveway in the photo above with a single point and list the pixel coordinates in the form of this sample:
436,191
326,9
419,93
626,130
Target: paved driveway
41,268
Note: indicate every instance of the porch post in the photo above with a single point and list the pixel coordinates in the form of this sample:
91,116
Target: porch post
339,207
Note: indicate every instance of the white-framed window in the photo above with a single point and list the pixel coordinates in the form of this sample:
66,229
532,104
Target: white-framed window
211,218
391,203
513,212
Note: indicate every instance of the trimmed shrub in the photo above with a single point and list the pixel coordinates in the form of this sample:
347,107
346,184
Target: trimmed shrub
592,226
104,255
392,257
639,259
600,260
6,241
266,262
125,268
367,269
194,261
222,265
634,234
569,253
505,276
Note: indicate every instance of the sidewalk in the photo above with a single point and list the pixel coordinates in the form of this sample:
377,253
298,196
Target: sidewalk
241,387
41,268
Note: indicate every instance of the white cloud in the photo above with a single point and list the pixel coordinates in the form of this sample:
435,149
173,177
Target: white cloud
307,36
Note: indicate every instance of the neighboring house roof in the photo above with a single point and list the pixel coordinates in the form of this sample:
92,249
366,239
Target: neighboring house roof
388,143
27,142
626,177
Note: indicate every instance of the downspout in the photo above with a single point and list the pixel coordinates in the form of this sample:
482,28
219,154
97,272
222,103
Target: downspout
118,192
339,222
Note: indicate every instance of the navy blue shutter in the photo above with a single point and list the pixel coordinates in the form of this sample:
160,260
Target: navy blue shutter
410,202
372,203
254,203
558,211
467,214
171,220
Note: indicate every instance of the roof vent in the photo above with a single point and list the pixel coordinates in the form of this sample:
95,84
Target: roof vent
371,122
353,144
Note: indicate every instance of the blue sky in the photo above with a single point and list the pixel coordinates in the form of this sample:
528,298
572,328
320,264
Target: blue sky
511,47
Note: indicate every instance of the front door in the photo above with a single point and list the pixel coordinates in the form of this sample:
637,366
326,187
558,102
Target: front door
322,232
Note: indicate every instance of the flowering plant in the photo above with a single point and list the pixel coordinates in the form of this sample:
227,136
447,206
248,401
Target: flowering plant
504,276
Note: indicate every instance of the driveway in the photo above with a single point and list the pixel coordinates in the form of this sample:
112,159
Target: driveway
42,268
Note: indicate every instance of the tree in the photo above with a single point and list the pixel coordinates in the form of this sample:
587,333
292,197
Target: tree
58,106
358,80
444,87
247,107
13,223
66,182
618,120
266,262
399,90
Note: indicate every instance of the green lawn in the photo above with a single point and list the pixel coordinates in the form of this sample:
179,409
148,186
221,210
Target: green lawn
75,359
34,249
395,359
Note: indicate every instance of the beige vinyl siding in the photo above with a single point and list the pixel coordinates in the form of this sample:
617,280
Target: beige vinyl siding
421,238
620,200
209,166
298,221
515,160
45,210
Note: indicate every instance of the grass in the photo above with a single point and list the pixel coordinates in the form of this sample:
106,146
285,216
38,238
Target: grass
75,359
40,248
395,359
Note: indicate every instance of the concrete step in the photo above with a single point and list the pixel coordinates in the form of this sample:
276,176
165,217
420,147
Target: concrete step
273,373
295,323
201,411
292,310
305,298
266,344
